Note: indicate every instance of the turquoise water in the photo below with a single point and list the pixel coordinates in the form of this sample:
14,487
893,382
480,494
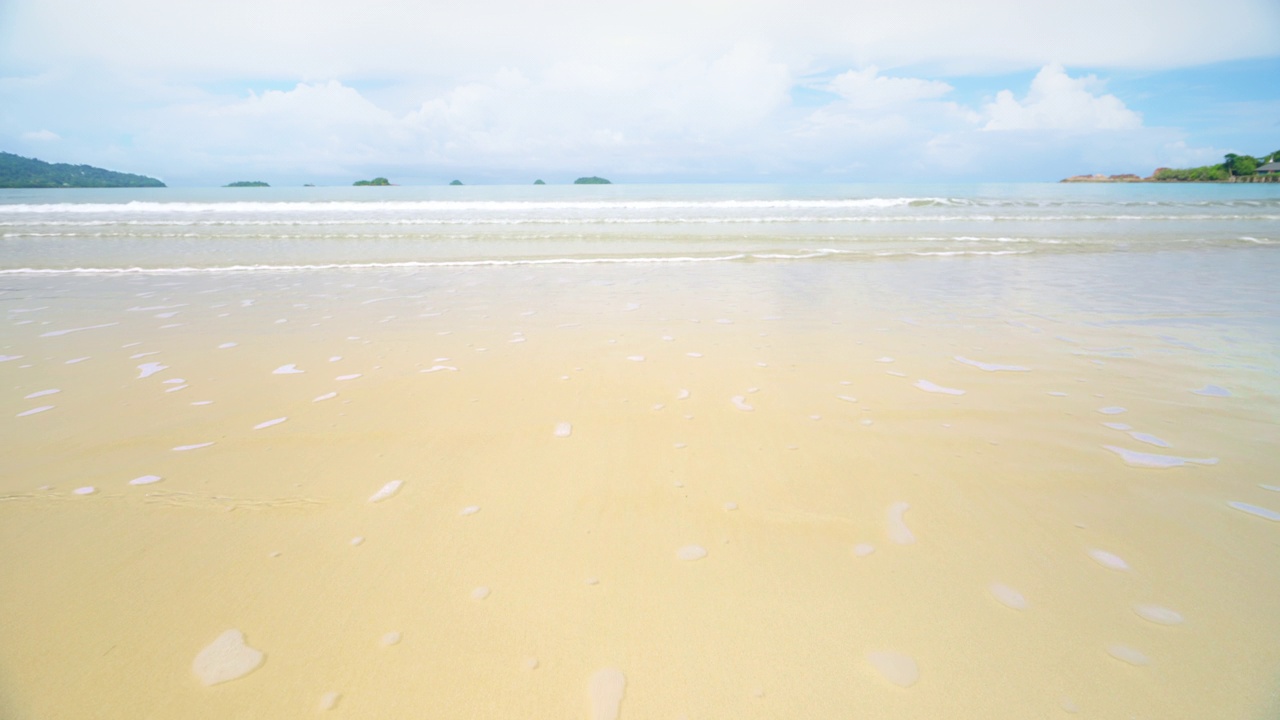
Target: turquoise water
223,229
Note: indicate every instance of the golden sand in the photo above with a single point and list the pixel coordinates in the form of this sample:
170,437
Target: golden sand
565,444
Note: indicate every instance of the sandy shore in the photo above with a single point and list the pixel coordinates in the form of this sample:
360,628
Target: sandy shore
679,492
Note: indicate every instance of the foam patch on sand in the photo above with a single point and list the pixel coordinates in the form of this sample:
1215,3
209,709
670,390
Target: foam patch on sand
146,370
1127,654
1008,596
35,410
989,367
740,402
386,491
897,527
326,396
691,552
145,480
899,669
1255,510
290,369
1159,615
438,368
927,386
1213,391
42,393
196,446
269,423
1108,560
562,430
1153,460
226,658
605,689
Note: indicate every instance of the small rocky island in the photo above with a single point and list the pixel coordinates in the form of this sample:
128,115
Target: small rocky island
456,182
593,180
376,182
247,183
538,182
20,172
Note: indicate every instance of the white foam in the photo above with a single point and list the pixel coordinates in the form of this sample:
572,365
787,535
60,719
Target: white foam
1008,596
335,358
326,396
87,490
694,354
885,359
145,480
173,381
1272,488
606,689
1152,460
59,333
480,593
7,358
269,423
149,369
863,549
731,506
1159,615
469,510
42,393
899,669
562,430
934,388
1127,654
72,361
352,376
391,638
386,491
329,700
1213,391
895,373
1113,410
989,367
1108,560
35,410
438,368
141,355
290,369
1254,510
197,446
1118,426
847,398
226,658
202,402
357,540
1056,393
740,402
531,663
897,527
691,552
636,358
227,345
1149,439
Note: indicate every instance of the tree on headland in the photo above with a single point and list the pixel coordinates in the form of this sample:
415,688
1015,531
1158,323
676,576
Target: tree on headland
593,180
379,181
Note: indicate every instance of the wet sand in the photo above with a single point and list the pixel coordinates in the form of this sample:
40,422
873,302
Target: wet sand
844,490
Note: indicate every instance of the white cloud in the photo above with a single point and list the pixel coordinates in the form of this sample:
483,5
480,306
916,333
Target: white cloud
1057,101
41,135
868,89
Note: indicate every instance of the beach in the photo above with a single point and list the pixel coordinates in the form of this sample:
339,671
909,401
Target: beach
656,452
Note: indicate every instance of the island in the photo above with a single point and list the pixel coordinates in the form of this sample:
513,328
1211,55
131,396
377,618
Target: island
20,172
378,181
247,183
1233,169
593,180
538,182
456,182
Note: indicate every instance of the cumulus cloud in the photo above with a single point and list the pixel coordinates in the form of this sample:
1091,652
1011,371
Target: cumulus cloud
41,135
1057,101
867,88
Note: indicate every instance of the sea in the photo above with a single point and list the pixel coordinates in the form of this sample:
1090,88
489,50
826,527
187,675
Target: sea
620,451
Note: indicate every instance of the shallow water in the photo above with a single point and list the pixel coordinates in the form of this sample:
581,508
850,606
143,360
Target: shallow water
536,490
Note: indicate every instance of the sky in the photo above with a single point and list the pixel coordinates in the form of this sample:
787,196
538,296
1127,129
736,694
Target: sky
202,93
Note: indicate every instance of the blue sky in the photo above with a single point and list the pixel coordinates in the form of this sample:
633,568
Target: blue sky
492,91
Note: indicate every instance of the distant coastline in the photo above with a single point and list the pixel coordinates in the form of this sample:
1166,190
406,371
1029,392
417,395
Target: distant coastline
1233,169
20,172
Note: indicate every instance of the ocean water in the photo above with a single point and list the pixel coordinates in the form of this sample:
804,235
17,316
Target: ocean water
176,230
640,451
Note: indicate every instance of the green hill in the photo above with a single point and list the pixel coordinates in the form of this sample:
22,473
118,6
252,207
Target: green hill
376,182
593,180
19,172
